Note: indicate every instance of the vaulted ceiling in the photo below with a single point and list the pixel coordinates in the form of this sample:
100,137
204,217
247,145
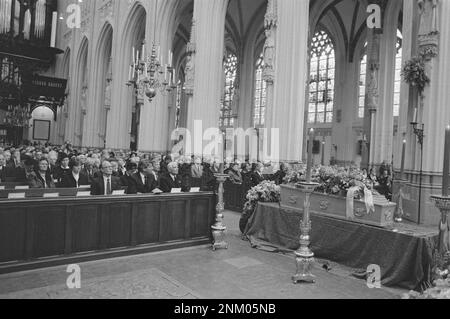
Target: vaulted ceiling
242,16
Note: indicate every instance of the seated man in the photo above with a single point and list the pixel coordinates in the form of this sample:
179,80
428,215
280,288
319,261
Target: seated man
145,181
171,179
196,172
106,183
5,171
75,178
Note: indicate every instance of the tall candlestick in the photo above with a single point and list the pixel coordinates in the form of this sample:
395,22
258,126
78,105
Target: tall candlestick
446,172
53,34
402,169
310,156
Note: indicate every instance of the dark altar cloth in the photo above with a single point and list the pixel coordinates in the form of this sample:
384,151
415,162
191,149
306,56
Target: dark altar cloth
405,257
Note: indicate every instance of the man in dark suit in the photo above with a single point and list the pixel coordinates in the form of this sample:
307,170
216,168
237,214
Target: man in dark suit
145,181
171,179
257,176
75,178
106,183
5,171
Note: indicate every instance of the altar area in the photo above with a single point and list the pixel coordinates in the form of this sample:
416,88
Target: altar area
404,251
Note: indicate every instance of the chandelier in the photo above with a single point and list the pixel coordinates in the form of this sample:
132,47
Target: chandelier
149,74
18,116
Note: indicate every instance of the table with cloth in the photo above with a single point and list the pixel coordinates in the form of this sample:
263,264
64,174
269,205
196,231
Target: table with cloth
404,254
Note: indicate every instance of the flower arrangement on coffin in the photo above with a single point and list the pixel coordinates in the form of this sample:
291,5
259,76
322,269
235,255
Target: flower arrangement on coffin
333,180
414,73
267,192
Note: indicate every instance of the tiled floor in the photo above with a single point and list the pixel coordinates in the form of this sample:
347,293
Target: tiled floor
239,272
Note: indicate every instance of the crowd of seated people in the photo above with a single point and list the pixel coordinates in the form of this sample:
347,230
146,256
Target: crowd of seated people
105,172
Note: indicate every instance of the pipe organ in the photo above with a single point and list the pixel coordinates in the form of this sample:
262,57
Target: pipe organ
30,20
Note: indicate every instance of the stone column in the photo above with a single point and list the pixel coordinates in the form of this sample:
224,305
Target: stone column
372,90
209,17
286,112
433,111
189,83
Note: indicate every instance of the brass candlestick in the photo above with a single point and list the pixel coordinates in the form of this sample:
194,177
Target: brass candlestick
443,204
219,229
304,257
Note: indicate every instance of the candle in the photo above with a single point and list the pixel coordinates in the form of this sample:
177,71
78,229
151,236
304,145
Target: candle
130,71
165,73
446,171
402,170
53,34
310,156
143,50
134,57
415,116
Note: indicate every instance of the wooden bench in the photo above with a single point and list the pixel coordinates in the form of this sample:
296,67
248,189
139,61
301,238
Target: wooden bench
44,232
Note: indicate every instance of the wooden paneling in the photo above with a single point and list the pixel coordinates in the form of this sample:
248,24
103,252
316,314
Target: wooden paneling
84,221
147,222
48,231
31,229
13,223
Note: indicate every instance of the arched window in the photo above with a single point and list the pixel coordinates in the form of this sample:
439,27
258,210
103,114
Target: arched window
226,112
398,77
27,25
16,18
362,86
321,87
39,23
259,112
5,15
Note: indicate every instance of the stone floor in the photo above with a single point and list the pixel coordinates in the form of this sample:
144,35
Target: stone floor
240,272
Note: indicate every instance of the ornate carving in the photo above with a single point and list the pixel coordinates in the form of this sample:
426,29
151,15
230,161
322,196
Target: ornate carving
427,11
190,75
189,70
324,205
83,100
293,199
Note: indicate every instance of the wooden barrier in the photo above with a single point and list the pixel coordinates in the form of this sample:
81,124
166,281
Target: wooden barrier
47,232
235,196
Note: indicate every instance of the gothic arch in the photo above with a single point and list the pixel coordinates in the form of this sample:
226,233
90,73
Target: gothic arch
103,54
80,79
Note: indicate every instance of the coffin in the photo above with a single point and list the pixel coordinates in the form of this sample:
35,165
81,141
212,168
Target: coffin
336,206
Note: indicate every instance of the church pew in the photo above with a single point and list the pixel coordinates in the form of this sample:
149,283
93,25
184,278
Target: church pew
44,232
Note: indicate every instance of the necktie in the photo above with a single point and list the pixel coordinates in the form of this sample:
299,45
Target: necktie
108,187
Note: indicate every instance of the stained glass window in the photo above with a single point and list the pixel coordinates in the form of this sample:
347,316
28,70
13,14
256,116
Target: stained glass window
226,112
322,75
259,112
362,86
398,77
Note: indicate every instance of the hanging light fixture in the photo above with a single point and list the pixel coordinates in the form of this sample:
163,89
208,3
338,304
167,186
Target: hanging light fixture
149,74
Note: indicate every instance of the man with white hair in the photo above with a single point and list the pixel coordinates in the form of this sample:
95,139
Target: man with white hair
171,179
